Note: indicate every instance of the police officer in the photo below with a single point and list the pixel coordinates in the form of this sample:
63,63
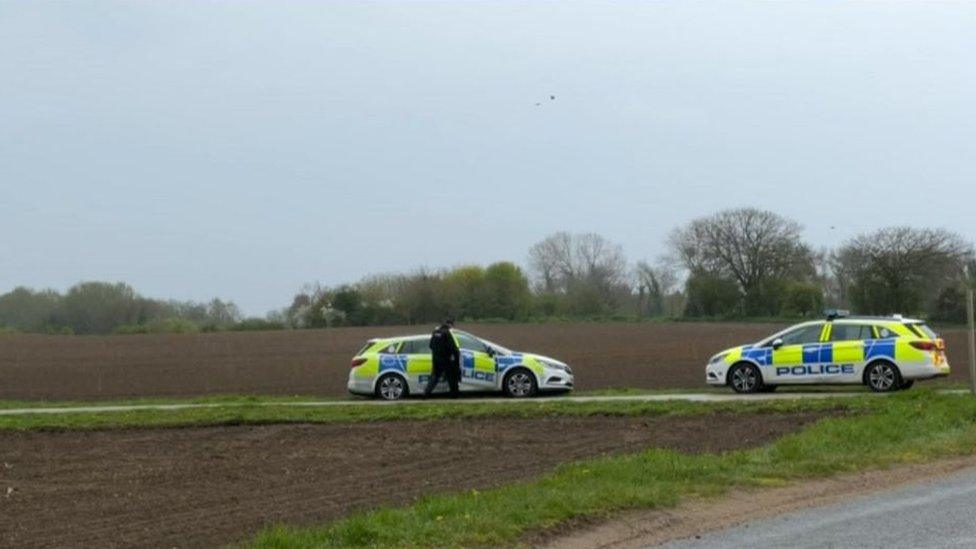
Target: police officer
447,358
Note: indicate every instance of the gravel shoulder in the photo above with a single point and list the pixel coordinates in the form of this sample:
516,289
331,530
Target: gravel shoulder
690,522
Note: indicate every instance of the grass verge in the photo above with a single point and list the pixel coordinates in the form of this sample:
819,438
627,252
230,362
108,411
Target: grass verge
908,427
266,412
232,399
149,401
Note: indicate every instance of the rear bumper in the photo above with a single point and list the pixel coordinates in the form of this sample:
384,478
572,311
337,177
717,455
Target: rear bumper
358,385
925,371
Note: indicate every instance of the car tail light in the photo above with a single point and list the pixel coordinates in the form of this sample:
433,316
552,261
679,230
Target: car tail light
924,345
358,361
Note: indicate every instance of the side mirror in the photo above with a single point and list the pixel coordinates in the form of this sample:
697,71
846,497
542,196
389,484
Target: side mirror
777,343
490,351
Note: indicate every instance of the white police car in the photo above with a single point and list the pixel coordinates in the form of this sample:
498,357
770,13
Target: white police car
393,368
884,353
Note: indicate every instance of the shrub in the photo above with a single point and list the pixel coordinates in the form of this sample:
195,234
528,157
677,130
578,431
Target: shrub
165,326
257,325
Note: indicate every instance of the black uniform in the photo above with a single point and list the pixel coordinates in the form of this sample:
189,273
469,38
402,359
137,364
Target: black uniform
447,360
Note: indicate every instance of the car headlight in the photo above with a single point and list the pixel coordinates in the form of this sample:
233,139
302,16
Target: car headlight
718,358
554,365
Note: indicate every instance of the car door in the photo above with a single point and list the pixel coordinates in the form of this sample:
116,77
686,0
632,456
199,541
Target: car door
798,358
421,364
393,358
477,366
414,362
847,352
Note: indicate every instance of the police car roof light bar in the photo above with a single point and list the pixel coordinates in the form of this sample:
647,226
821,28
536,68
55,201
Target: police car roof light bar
836,313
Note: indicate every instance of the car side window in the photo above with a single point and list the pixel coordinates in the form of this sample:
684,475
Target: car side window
416,347
884,333
470,343
850,332
804,335
390,349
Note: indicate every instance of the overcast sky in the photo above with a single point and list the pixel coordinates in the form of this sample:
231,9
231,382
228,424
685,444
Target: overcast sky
241,149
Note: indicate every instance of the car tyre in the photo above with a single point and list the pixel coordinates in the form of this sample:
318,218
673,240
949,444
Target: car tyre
391,387
883,377
746,379
519,383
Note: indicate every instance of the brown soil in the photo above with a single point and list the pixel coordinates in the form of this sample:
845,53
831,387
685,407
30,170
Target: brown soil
646,528
316,361
208,486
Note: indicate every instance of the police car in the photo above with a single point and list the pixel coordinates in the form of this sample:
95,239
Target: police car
394,368
884,353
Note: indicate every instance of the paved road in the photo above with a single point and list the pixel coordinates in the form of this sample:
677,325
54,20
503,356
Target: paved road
686,397
939,513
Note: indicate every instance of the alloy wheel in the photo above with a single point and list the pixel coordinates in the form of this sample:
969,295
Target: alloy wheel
391,388
882,377
519,384
745,379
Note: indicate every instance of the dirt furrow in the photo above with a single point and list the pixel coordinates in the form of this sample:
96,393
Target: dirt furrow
207,486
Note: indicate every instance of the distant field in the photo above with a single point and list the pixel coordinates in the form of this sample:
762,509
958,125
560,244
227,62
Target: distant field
315,362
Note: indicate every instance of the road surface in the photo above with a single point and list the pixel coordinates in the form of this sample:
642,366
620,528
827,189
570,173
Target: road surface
685,397
937,513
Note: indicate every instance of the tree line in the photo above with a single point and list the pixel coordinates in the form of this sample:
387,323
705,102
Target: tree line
736,263
104,308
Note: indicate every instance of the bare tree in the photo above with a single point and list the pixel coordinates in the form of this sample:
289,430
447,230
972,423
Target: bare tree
562,259
657,282
901,269
585,267
223,313
552,260
752,247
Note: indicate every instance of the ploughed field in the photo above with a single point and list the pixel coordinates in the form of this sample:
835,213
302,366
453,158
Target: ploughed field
316,362
209,486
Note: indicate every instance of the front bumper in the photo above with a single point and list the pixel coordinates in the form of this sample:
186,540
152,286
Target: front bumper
715,374
556,380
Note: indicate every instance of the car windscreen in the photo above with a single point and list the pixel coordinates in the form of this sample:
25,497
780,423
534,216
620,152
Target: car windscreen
498,348
474,343
793,335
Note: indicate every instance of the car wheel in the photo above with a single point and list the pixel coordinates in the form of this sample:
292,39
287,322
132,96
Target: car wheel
883,377
745,378
906,384
519,384
391,387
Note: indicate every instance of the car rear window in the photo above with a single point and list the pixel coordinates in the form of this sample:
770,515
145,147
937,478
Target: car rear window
367,346
922,330
385,348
